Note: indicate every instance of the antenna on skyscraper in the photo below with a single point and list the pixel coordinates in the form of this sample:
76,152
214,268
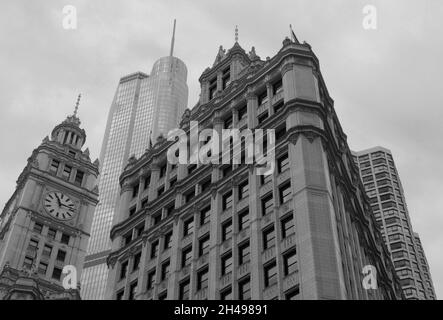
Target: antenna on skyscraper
172,40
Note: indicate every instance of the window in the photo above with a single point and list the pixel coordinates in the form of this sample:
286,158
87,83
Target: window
283,163
244,289
212,88
243,190
278,107
226,230
33,245
243,253
47,250
160,191
242,112
189,195
262,117
132,291
292,295
56,273
135,190
169,209
137,259
243,220
123,269
262,98
202,279
27,263
268,237
226,263
163,295
172,182
270,274
191,168
165,270
146,182
289,263
264,179
226,294
205,215
228,123
287,226
186,256
55,164
285,192
227,170
184,290
151,279
203,246
67,172
52,233
120,295
61,256
157,218
132,211
267,204
188,227
280,133
227,201
38,228
226,78
277,87
79,177
65,238
167,240
127,238
42,268
205,185
154,249
162,170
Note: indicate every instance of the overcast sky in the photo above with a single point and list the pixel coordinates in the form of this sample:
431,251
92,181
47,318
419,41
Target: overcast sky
386,83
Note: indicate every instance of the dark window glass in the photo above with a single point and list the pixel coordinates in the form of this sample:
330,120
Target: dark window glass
38,228
227,201
243,253
56,273
65,238
270,274
226,230
123,269
165,270
244,289
283,163
61,255
55,164
52,233
184,290
188,227
168,240
226,294
290,263
226,263
151,279
243,190
202,279
154,249
132,290
205,215
203,246
67,171
287,226
79,177
137,259
186,256
268,237
267,204
243,220
285,192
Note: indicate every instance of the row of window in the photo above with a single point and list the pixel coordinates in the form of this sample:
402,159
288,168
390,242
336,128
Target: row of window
67,171
51,233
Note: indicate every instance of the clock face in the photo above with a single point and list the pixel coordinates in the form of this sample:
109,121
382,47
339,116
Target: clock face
59,205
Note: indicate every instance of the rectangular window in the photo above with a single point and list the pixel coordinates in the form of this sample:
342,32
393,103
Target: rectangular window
137,258
65,238
154,249
226,263
264,179
226,230
169,209
205,215
262,98
243,253
267,204
165,270
79,177
280,133
227,201
270,274
191,168
120,295
186,256
244,289
156,218
123,269
243,190
42,268
285,192
283,163
146,182
167,240
135,190
132,211
205,185
184,290
172,182
243,220
242,113
226,294
132,291
188,227
292,295
33,245
56,273
203,246
160,191
287,226
27,263
67,172
163,170
202,279
289,263
262,117
55,164
52,233
47,250
151,279
277,87
38,228
268,237
278,107
189,195
61,256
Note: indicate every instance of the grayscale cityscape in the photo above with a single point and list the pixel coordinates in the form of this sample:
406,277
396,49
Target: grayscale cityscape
217,150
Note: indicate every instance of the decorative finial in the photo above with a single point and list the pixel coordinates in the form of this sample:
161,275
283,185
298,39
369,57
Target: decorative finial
77,104
236,33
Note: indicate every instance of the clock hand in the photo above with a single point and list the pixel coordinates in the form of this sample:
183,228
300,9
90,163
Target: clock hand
58,200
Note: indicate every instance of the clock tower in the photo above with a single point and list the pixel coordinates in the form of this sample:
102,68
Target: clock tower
45,225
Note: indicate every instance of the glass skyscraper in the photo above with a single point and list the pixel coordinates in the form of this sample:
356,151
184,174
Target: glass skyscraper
143,108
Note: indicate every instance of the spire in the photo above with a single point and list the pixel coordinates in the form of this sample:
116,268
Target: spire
293,37
77,104
172,40
236,33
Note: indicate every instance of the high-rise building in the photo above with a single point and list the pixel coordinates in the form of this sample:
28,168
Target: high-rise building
45,225
144,108
221,231
386,196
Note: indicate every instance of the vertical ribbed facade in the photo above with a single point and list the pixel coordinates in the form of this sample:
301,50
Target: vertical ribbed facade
143,108
386,196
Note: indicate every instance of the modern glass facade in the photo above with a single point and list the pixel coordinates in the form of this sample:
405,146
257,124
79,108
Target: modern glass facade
143,108
386,196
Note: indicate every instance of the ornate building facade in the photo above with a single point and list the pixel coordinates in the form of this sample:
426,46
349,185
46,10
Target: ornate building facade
45,225
386,196
222,231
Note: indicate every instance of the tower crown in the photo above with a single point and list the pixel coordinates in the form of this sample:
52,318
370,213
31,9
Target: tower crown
69,132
